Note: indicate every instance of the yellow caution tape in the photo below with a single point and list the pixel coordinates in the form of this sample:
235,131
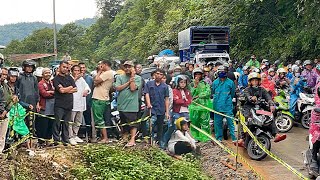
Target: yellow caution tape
98,127
294,171
227,149
22,140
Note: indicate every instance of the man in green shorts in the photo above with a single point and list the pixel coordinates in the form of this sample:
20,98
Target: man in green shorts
100,97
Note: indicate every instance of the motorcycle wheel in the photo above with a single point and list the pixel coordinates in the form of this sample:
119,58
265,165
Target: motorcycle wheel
254,151
284,123
305,120
225,130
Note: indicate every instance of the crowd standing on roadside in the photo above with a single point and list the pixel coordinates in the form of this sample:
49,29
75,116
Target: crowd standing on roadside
171,97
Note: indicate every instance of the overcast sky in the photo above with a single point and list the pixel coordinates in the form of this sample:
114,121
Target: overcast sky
13,11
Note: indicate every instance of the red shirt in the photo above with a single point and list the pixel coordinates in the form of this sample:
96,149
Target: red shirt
178,101
44,87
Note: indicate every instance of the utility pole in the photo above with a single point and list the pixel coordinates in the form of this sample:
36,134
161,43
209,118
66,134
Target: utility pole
55,51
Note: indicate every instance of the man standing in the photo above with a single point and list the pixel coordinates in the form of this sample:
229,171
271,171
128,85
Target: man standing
223,90
253,62
128,86
157,99
87,114
64,88
101,98
27,86
79,105
5,106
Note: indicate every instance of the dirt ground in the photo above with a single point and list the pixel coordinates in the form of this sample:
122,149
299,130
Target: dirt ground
56,163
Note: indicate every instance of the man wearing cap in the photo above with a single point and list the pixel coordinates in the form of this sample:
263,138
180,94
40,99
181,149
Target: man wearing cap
253,62
128,86
100,97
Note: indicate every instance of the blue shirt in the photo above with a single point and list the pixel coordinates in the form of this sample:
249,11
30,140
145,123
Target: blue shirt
157,96
223,93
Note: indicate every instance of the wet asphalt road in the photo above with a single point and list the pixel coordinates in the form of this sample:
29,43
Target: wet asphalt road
289,150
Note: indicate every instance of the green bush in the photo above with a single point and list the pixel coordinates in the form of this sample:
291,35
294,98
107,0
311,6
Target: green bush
104,162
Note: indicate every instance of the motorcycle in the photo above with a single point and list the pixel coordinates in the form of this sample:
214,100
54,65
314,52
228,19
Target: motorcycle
307,155
305,105
283,118
260,125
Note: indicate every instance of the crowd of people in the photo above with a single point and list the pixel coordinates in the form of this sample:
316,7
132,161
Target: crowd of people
171,97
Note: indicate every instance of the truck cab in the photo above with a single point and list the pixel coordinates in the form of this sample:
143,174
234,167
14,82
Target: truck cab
203,44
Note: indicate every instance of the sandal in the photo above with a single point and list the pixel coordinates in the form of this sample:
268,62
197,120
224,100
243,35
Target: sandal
130,144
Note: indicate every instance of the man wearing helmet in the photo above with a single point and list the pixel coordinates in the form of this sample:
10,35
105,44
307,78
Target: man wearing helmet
223,90
200,117
271,74
252,93
310,75
243,80
282,81
12,79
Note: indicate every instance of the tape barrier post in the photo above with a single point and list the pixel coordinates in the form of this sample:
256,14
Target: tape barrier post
273,156
227,149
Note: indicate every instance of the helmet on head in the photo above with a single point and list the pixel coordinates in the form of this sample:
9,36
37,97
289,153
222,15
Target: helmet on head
197,70
221,68
180,122
13,72
29,63
281,70
245,68
254,75
211,63
298,62
38,72
277,62
206,69
270,70
265,60
295,68
255,70
180,78
263,66
318,67
307,62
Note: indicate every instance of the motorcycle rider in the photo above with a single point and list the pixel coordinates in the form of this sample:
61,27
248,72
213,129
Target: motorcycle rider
243,80
298,83
271,74
200,117
315,129
253,62
252,94
282,81
310,75
223,90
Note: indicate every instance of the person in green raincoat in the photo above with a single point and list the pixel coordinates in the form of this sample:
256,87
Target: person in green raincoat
253,62
200,117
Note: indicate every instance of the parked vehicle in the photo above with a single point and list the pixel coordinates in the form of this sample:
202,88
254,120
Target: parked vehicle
283,118
305,105
203,44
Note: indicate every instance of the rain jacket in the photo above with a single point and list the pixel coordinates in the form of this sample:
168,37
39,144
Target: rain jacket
251,63
269,86
315,117
243,81
199,116
16,119
27,85
297,86
311,77
223,93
